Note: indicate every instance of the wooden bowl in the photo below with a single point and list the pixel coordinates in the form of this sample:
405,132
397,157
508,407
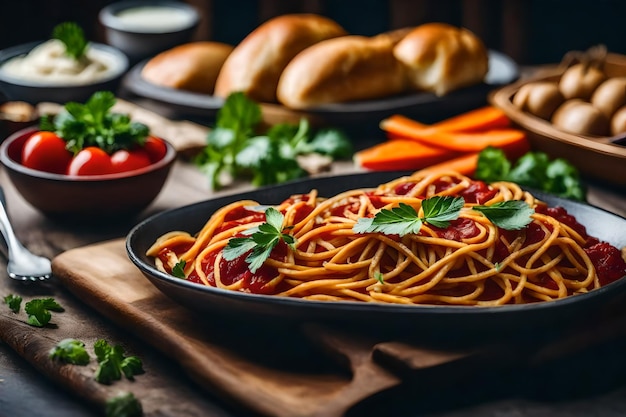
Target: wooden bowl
598,158
84,197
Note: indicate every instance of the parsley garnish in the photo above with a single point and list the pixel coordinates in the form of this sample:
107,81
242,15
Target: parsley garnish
70,351
123,405
38,311
508,215
179,269
112,363
403,219
94,124
14,302
439,211
260,242
379,277
236,149
534,169
72,37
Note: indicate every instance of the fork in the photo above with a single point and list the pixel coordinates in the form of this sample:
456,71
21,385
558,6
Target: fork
23,265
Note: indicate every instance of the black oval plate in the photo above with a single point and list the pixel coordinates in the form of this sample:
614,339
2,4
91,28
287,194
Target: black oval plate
502,70
600,223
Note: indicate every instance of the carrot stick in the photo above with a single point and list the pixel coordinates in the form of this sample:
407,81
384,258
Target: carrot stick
483,118
401,154
464,164
401,126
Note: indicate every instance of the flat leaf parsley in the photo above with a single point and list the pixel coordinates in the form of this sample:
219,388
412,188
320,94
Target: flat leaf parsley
439,211
112,363
70,351
73,37
95,124
14,302
260,242
39,309
237,149
403,219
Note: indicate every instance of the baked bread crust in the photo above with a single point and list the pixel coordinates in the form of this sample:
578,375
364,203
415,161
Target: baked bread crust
343,69
255,65
440,58
192,66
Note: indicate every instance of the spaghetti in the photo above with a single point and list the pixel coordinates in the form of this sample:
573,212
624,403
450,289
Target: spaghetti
471,261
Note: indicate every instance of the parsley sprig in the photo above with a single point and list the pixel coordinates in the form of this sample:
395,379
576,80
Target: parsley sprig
94,124
534,169
39,311
402,220
179,269
124,405
70,351
112,363
439,211
14,302
73,37
237,148
260,242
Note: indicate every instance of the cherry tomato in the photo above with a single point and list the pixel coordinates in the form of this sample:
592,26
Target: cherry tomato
156,148
90,161
45,151
128,160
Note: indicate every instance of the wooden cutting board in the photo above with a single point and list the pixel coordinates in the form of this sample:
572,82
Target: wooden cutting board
307,371
219,357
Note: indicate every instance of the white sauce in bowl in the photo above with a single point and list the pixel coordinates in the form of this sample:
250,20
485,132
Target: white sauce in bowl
154,19
47,64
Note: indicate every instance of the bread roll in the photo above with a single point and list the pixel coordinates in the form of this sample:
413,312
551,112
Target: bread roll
342,69
255,65
192,66
441,58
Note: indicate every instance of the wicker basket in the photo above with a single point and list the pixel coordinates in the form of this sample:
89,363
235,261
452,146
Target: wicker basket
599,158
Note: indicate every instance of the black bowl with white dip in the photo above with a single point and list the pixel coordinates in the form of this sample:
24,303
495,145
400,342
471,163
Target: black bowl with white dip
142,29
40,72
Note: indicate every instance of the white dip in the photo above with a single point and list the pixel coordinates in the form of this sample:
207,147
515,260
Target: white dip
154,19
47,64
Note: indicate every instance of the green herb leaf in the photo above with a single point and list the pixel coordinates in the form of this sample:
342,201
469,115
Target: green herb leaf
399,220
123,405
379,277
72,35
70,351
260,243
508,215
94,124
403,220
112,363
14,302
236,149
534,169
38,311
439,211
332,142
492,165
179,269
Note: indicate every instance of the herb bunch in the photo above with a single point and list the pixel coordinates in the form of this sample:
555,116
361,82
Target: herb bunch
235,149
95,124
73,37
534,169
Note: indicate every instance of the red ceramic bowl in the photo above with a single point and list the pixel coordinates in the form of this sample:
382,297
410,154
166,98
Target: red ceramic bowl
94,196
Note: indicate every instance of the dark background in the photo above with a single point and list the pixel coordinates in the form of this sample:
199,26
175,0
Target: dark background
530,31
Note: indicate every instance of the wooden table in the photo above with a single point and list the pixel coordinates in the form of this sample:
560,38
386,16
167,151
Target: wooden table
592,382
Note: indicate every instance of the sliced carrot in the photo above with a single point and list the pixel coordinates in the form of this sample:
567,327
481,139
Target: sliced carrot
404,127
464,164
483,118
400,155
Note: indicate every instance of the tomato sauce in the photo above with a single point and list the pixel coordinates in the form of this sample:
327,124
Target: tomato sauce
606,259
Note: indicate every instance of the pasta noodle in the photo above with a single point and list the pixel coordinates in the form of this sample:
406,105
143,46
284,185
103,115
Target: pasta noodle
470,262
